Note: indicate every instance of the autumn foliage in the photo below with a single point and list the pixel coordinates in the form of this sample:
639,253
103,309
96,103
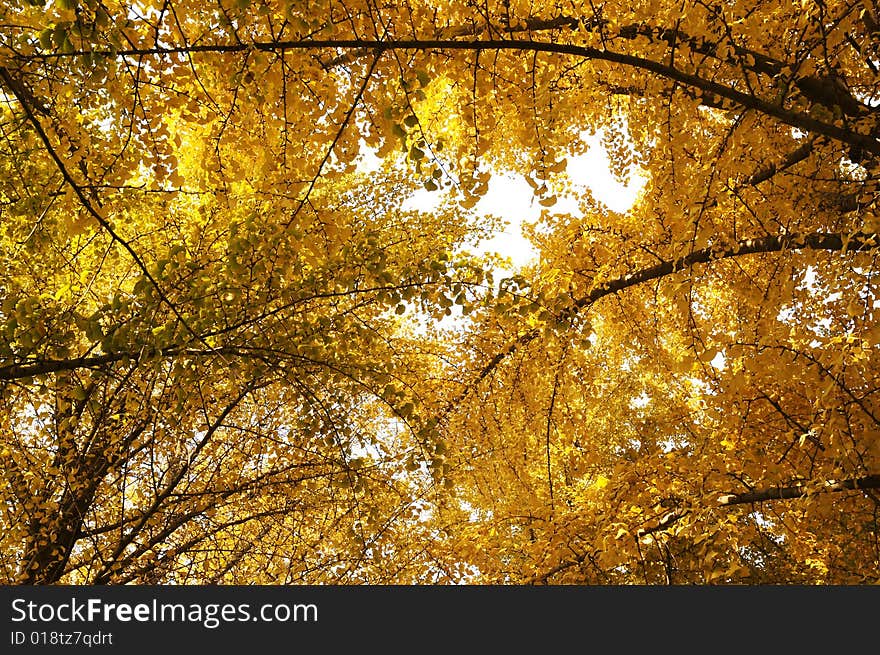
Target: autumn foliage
232,350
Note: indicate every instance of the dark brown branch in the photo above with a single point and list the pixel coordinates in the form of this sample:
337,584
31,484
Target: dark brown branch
45,366
19,90
816,241
32,367
763,64
49,557
563,566
799,120
794,157
757,496
800,491
667,521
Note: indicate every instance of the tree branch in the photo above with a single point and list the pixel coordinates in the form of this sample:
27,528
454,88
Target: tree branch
794,157
756,496
799,120
857,242
800,490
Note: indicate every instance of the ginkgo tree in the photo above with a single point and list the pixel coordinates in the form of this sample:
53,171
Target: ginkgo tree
226,356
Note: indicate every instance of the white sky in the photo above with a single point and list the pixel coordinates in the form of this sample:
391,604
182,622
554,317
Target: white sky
512,200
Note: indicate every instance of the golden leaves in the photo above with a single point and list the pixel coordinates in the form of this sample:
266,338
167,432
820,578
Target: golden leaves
329,376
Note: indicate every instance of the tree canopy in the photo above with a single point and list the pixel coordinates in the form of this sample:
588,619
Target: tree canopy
234,352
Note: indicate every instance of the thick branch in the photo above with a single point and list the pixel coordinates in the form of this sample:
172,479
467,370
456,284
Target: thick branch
49,557
797,156
798,120
826,91
667,521
757,496
800,490
816,241
763,64
46,366
31,368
